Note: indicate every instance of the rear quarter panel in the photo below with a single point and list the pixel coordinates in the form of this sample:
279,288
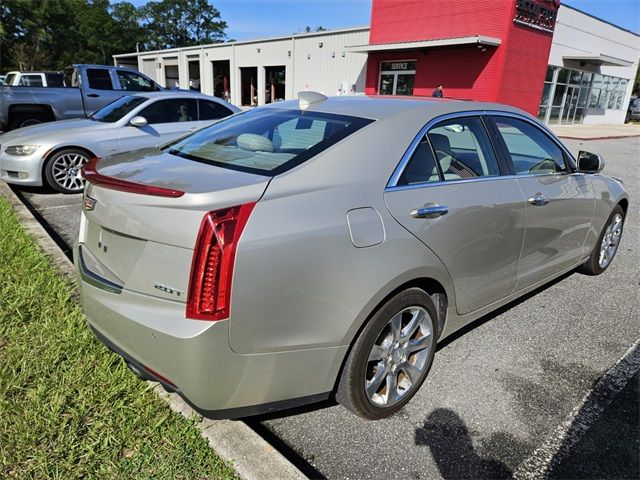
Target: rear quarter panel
299,281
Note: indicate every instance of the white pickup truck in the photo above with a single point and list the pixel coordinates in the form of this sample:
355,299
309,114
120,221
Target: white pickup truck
86,89
34,79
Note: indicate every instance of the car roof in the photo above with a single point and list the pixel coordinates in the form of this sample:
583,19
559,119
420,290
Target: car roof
174,94
380,107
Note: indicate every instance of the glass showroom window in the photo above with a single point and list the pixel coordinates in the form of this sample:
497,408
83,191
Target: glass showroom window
547,90
567,94
622,91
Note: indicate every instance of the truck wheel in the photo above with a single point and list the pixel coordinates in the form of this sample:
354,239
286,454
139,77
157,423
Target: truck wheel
62,170
27,119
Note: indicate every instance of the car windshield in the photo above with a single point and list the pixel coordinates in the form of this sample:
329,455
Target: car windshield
9,79
114,111
266,141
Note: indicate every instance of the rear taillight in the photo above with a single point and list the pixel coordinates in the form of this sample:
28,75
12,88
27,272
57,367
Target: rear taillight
90,173
209,296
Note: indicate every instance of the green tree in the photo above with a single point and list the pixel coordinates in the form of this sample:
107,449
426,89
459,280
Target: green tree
51,34
320,28
23,40
181,23
127,32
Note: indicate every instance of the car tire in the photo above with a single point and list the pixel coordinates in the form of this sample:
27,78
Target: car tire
391,357
26,120
62,170
607,245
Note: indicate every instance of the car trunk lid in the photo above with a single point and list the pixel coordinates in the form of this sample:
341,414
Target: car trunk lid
144,241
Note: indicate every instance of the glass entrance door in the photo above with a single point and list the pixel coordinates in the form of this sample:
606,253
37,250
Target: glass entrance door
387,84
396,78
570,105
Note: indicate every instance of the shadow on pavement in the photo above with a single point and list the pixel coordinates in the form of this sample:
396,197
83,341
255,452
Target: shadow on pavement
496,313
452,448
610,448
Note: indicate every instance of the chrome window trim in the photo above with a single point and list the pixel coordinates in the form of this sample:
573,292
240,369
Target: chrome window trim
392,184
440,183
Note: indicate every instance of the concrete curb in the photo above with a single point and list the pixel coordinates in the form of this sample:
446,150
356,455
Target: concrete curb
250,455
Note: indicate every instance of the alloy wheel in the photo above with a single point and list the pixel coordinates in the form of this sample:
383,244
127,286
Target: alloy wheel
610,241
66,171
399,357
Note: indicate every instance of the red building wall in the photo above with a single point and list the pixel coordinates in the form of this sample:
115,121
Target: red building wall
525,66
511,73
405,20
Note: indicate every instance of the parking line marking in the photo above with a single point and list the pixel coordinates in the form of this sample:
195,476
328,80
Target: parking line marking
581,418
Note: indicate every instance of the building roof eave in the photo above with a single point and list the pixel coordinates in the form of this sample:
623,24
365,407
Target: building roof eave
424,44
599,59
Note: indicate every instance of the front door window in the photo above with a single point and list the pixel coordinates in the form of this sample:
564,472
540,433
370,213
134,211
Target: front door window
396,78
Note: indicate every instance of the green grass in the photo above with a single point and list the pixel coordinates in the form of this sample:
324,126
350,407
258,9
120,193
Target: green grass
69,408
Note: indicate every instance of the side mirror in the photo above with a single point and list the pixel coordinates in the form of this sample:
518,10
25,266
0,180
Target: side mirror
138,121
590,162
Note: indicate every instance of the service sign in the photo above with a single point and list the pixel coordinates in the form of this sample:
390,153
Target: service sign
398,66
539,14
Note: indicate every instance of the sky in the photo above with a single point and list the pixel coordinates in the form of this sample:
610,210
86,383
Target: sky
249,19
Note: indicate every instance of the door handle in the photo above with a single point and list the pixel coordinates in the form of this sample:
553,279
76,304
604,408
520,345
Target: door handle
539,200
93,95
434,211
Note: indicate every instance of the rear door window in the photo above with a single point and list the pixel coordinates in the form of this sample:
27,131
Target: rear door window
462,149
454,149
532,151
55,79
99,79
212,110
267,142
171,111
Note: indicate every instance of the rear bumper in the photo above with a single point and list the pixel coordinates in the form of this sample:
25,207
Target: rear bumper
194,358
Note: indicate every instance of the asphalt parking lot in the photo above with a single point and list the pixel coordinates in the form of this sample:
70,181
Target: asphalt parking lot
498,390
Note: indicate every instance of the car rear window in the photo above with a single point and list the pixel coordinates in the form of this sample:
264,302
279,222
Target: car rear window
267,141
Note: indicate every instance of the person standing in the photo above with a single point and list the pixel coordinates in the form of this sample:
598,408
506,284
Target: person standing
438,93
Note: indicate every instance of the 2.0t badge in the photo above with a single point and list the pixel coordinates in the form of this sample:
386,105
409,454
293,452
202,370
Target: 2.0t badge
169,290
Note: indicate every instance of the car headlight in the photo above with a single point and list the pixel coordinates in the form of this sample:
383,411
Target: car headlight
21,149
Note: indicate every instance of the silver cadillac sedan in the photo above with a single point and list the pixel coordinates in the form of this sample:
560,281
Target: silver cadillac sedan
322,247
54,153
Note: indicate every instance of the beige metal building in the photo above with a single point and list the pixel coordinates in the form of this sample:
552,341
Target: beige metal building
261,71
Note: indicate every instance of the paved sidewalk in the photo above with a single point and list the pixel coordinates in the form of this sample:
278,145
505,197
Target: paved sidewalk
596,132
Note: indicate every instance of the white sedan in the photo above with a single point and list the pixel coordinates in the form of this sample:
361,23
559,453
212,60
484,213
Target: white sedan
53,153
